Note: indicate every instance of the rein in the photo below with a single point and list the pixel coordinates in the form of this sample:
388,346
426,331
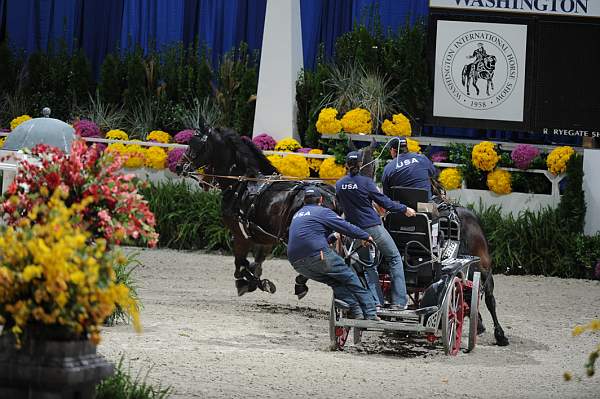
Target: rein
256,179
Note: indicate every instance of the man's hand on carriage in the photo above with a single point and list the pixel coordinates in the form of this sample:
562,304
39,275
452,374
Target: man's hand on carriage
410,212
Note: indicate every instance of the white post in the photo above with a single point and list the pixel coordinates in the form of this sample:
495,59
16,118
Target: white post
280,63
591,187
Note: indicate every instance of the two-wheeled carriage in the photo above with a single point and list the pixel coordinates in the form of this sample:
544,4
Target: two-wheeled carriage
443,286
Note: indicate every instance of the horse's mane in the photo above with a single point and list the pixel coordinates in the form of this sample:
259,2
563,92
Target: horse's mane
247,153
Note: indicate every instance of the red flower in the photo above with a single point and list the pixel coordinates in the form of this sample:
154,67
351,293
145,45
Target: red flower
53,180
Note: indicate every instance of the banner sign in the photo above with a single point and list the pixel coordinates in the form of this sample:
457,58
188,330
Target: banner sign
480,70
581,8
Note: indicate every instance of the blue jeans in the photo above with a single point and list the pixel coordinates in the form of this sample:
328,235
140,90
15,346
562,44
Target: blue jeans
392,257
335,273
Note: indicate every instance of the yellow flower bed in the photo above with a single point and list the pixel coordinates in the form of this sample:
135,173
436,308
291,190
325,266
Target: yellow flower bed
413,145
51,274
398,126
315,163
291,165
156,158
135,156
287,144
159,136
331,170
357,121
116,134
18,120
327,122
484,156
499,181
450,178
558,158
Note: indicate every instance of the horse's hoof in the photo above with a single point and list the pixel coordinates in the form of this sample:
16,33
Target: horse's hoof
256,269
242,286
501,339
300,290
267,286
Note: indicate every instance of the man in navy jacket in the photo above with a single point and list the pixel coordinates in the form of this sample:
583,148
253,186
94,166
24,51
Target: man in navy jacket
309,253
356,194
407,169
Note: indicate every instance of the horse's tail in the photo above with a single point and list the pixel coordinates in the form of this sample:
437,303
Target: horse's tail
465,74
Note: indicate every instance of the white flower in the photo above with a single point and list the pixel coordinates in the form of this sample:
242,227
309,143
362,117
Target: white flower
24,186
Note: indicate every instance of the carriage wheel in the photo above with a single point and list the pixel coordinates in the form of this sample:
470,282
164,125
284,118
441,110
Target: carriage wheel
474,311
453,316
337,335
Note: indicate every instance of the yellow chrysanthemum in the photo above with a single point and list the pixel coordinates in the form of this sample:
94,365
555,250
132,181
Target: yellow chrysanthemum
116,134
156,158
398,126
499,181
413,145
117,148
158,136
558,158
484,156
135,156
2,140
291,165
450,178
357,121
287,144
331,170
18,120
315,163
327,122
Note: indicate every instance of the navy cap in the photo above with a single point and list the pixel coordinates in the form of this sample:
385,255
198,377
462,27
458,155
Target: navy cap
399,142
353,158
312,192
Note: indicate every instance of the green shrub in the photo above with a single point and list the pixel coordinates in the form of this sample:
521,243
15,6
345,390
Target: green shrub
187,218
123,386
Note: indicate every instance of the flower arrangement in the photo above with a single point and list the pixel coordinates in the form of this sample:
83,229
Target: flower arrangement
184,136
290,165
558,158
304,150
523,154
116,134
484,156
159,136
117,212
450,178
173,158
315,163
398,126
499,181
18,120
288,144
86,128
331,170
264,142
54,274
413,145
135,156
439,156
327,123
357,121
156,158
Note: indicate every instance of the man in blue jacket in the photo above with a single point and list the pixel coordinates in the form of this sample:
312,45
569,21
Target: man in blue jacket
356,194
407,169
309,253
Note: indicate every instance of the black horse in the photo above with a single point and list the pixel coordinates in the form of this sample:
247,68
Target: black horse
257,204
473,242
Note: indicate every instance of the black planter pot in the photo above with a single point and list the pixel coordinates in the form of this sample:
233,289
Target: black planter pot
45,369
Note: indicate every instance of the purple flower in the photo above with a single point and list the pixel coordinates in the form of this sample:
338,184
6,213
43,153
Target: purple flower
523,154
264,142
440,156
85,128
184,136
304,150
174,156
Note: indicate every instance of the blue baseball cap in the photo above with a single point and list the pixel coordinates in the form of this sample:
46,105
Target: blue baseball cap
353,158
399,142
312,192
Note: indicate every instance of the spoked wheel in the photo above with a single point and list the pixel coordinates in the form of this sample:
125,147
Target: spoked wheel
474,311
337,335
453,316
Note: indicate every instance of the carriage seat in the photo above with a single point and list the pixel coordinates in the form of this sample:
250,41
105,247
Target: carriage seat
409,196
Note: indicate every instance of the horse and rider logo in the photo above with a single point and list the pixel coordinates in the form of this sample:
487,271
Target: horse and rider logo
489,75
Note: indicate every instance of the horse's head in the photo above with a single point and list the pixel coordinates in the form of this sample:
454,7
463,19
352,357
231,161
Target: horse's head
490,62
200,152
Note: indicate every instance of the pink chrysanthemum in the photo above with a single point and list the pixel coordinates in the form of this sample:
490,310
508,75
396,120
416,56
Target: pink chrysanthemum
85,128
174,157
523,154
184,136
264,142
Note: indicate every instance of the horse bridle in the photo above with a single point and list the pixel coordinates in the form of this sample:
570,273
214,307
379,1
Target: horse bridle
189,162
